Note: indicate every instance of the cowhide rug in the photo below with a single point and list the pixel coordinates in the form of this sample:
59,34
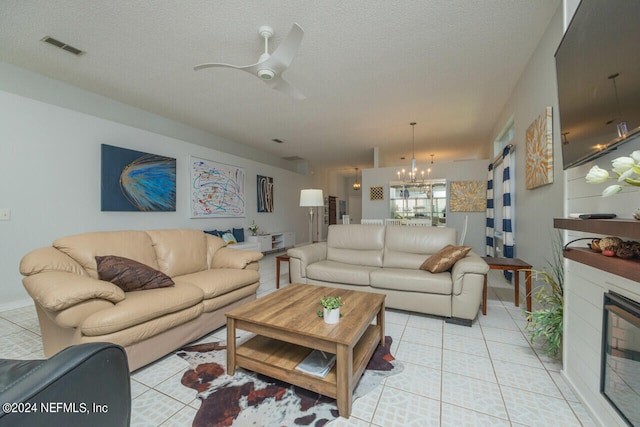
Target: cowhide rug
250,399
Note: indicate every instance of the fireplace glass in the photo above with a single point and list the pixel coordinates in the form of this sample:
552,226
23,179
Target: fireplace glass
620,371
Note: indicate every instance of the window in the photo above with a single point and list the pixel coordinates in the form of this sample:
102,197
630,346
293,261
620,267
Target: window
504,139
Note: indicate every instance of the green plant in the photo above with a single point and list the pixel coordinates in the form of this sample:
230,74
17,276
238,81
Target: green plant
330,303
547,321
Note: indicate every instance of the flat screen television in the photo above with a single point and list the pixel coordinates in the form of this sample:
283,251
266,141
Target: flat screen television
598,76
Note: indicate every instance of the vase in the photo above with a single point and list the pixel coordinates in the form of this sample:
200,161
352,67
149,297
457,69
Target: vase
331,316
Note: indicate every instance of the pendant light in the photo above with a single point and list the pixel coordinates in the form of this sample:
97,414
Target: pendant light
412,177
356,184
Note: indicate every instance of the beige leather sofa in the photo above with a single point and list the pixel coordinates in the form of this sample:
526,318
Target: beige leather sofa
387,259
74,306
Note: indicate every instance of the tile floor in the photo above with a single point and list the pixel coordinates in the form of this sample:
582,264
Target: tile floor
486,375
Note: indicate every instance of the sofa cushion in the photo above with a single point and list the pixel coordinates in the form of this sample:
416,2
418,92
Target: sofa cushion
238,233
229,257
445,258
338,272
139,307
356,244
179,251
228,237
402,279
130,275
214,243
219,281
47,259
84,248
407,247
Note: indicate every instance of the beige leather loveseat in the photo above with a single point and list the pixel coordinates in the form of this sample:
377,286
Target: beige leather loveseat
74,306
387,259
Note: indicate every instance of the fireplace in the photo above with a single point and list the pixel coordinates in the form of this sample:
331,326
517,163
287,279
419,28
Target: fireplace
620,367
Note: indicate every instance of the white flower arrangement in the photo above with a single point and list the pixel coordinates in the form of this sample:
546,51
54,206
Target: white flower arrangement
627,170
253,228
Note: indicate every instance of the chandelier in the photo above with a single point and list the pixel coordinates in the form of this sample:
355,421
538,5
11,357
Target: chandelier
412,176
356,184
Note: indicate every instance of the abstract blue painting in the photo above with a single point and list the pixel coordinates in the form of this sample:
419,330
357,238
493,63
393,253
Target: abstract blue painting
134,181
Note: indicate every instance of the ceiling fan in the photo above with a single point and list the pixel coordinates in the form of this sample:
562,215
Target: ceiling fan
270,67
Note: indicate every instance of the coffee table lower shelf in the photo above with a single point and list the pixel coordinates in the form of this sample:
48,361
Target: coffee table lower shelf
278,359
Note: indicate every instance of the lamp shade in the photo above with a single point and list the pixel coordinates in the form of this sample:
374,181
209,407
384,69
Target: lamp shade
311,197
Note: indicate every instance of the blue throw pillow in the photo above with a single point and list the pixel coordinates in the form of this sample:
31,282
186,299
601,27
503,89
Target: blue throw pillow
238,233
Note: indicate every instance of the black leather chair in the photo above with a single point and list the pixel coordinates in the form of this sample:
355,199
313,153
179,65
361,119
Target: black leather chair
83,385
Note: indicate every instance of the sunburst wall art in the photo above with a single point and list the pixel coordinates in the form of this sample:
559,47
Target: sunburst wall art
539,141
468,196
136,181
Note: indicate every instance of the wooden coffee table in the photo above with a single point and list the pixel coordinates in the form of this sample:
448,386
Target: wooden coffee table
288,327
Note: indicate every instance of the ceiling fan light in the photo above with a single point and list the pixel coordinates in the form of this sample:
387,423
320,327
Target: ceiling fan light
266,74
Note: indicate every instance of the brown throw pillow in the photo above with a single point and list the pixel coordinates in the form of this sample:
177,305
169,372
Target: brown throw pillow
130,275
445,258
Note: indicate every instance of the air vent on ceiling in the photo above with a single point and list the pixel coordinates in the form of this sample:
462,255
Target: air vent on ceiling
293,158
61,45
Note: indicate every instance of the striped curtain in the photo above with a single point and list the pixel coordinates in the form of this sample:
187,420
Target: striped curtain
489,224
507,209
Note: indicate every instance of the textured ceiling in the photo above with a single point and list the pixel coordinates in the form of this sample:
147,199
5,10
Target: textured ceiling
367,68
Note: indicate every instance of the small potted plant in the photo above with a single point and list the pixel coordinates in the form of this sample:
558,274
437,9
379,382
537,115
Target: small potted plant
330,309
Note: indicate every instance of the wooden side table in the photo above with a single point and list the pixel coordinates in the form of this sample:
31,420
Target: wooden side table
515,265
280,258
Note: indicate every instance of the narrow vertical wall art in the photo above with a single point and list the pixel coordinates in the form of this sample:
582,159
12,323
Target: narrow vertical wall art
265,193
539,159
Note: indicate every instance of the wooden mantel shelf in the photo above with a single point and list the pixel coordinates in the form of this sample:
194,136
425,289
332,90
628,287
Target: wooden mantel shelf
623,228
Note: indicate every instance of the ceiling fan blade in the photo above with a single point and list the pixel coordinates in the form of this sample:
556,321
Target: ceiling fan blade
283,55
248,68
282,85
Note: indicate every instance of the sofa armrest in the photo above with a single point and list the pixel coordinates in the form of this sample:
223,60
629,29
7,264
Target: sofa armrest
234,258
58,290
471,264
303,256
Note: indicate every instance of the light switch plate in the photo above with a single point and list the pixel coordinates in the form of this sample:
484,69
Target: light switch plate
5,214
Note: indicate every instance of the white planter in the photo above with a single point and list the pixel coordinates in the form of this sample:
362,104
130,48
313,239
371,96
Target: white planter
331,316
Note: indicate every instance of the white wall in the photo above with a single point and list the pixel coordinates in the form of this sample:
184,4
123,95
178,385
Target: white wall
50,177
470,170
535,209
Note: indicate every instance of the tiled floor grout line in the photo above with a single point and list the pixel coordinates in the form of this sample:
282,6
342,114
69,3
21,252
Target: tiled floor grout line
495,373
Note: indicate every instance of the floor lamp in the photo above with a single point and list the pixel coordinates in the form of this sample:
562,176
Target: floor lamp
311,198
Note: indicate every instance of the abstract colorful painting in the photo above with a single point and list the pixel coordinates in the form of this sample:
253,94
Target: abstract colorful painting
136,181
468,196
539,145
216,189
265,193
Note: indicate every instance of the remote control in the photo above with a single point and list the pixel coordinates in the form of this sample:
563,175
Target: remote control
598,216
